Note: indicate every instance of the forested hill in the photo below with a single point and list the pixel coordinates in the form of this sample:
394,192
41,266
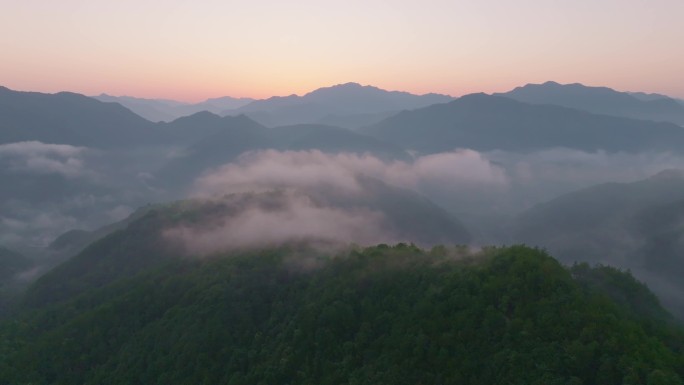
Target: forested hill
381,315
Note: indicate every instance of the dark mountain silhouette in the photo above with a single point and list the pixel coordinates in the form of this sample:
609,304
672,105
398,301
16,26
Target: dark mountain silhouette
350,99
74,119
240,134
484,122
162,110
601,100
68,118
631,225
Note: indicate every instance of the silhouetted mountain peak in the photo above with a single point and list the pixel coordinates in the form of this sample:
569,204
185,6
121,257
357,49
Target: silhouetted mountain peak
350,85
202,116
477,96
344,90
553,86
342,100
483,100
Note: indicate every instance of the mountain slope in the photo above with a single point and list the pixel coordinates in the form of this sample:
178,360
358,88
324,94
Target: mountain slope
11,263
601,100
331,139
142,242
382,315
483,122
68,118
630,225
190,129
235,136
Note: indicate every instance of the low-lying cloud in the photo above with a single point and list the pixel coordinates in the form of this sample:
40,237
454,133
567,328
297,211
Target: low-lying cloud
41,158
279,218
323,198
269,169
561,165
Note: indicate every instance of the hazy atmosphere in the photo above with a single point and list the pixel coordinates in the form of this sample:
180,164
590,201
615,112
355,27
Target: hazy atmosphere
361,192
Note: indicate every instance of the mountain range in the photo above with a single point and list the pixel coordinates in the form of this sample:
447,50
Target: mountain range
485,123
73,119
163,110
348,105
116,161
342,236
602,100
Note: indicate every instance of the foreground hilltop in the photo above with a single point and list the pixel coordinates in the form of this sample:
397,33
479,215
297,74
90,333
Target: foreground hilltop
380,315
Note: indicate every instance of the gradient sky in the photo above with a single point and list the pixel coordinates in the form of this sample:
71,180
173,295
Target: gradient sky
192,50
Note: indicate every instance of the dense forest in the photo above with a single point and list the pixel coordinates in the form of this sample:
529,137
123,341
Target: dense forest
379,315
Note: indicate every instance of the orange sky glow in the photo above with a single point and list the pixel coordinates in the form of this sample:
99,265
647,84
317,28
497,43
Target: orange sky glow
191,51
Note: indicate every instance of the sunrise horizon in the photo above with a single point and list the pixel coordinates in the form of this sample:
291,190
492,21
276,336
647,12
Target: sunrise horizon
181,51
457,93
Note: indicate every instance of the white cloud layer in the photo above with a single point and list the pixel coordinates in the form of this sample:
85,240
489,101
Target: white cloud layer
42,158
293,218
269,169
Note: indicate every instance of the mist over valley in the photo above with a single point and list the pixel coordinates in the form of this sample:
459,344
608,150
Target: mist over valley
347,191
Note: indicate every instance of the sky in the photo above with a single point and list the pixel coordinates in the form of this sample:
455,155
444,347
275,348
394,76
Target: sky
193,50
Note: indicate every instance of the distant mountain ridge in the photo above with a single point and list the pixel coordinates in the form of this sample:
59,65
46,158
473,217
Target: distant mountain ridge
602,100
488,122
163,110
69,118
235,135
349,99
349,105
